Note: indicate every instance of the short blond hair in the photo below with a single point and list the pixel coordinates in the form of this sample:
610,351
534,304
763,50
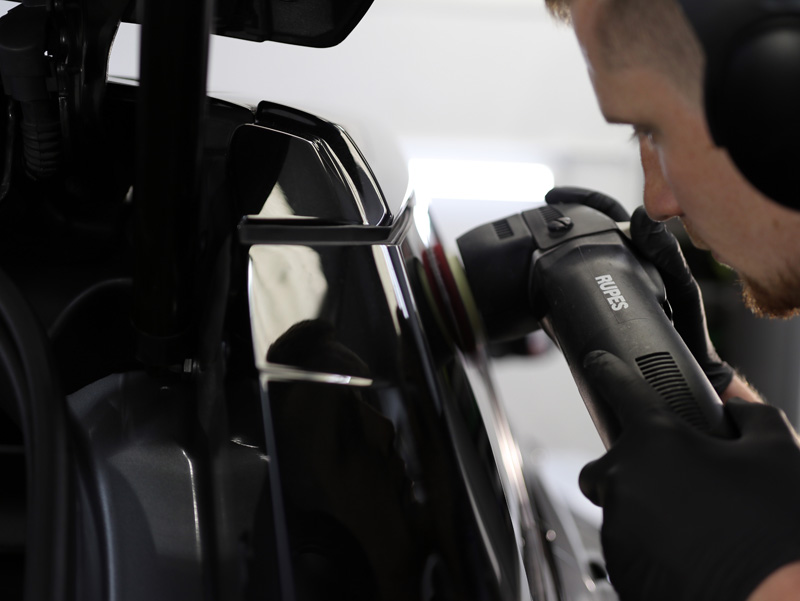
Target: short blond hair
560,9
650,33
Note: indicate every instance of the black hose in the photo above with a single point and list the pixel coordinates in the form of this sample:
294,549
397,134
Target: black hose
25,358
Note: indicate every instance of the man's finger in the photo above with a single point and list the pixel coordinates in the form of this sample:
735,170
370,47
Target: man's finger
593,480
756,419
659,245
590,198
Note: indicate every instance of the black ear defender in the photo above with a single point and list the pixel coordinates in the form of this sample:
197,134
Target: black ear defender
752,87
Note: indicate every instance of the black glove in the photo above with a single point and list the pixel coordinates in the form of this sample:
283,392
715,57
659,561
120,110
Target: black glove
687,516
654,241
590,198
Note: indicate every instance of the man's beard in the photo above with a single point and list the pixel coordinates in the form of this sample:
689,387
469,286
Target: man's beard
780,300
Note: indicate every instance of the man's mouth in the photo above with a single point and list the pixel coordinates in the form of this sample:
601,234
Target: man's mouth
697,241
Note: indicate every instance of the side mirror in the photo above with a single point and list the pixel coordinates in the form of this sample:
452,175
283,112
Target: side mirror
291,165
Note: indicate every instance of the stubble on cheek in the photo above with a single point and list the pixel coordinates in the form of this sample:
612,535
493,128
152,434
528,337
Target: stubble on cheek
779,299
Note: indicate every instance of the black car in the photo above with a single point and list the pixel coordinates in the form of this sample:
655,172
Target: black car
227,369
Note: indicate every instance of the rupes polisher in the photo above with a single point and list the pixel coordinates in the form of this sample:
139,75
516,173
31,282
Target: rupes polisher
571,270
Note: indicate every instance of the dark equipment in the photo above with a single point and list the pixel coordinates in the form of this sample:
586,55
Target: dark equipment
571,270
752,87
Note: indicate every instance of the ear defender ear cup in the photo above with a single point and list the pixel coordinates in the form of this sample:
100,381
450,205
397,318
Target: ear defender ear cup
754,108
752,88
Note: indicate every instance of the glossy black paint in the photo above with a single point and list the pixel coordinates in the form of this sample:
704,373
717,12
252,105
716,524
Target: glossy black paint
307,158
383,466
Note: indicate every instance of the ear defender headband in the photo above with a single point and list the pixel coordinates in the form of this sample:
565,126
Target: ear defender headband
752,87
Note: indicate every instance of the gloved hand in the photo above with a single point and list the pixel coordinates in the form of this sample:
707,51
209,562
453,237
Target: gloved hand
656,242
687,516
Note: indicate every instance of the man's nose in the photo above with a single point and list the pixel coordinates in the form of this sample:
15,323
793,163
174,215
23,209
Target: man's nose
658,198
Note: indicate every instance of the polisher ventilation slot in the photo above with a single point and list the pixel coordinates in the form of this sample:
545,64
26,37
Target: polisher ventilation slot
503,229
663,374
550,213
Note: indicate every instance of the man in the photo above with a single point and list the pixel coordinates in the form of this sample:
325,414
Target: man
689,516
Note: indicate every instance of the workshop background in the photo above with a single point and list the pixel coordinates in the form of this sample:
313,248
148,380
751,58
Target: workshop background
489,102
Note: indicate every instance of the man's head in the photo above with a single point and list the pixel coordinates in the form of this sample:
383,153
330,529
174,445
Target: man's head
646,68
653,33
